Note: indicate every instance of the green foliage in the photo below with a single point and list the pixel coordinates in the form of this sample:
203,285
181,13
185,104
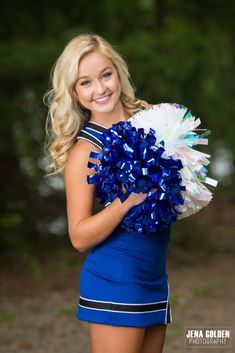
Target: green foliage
7,315
176,51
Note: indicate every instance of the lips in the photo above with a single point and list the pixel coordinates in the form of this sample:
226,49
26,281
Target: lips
103,100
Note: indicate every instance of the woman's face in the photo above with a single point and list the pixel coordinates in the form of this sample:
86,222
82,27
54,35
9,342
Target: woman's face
98,86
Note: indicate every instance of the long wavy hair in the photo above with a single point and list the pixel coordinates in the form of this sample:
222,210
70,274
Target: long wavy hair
66,117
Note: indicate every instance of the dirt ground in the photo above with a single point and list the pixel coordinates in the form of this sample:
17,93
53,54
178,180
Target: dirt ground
38,314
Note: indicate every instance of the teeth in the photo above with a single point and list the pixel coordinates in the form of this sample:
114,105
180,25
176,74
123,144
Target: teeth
101,99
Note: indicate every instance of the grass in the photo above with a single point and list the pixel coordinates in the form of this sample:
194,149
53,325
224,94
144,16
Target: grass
66,310
205,290
7,315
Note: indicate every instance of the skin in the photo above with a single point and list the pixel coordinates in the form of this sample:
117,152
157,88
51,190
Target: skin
154,339
97,83
118,339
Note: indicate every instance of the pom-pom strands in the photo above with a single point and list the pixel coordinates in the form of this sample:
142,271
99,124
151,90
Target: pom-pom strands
175,124
153,150
132,158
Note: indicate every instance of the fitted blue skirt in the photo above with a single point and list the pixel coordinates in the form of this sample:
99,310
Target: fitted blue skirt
123,281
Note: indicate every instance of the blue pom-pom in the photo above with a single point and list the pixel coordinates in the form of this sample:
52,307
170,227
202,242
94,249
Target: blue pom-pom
134,159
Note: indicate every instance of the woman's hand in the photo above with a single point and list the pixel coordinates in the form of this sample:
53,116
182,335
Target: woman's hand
135,199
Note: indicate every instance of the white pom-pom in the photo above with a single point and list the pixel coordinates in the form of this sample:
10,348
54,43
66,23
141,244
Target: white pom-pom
175,125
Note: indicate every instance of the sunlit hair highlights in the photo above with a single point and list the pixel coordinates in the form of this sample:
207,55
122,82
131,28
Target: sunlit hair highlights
66,116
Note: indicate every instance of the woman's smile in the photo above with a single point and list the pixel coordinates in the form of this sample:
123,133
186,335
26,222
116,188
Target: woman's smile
103,100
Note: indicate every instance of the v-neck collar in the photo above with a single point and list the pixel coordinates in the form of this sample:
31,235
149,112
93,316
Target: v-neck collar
92,122
105,127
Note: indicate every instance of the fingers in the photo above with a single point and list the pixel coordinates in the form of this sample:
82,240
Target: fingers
123,189
152,191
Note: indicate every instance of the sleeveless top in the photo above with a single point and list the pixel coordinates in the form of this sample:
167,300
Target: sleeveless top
92,131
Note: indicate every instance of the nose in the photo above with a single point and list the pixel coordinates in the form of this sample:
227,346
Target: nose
99,88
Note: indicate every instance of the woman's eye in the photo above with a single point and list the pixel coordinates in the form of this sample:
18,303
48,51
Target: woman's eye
84,83
107,74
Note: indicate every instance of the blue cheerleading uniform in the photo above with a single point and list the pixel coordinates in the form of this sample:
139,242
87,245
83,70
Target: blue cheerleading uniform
123,280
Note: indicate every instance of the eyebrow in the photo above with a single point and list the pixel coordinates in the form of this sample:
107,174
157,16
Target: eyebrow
107,67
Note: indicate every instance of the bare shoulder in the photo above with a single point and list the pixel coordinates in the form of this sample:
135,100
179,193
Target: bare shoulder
81,148
79,157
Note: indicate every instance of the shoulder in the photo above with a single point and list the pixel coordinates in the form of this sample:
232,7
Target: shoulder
79,155
83,147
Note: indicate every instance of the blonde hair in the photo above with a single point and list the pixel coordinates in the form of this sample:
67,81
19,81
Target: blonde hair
66,117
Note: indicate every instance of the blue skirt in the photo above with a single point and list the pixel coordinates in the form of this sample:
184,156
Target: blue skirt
123,281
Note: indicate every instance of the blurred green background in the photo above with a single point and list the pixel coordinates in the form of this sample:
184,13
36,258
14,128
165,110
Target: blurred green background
177,51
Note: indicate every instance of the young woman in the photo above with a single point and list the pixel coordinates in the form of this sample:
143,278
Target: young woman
124,290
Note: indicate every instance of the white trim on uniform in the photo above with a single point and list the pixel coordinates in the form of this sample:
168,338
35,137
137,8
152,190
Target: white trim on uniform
92,122
123,311
90,128
168,294
108,301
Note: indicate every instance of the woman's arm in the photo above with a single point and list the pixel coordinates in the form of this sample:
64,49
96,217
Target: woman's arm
87,230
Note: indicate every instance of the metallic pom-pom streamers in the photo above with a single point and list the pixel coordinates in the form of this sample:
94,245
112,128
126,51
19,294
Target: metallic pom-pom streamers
175,124
131,157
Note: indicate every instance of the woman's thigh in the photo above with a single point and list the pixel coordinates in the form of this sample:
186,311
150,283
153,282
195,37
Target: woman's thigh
115,339
154,338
